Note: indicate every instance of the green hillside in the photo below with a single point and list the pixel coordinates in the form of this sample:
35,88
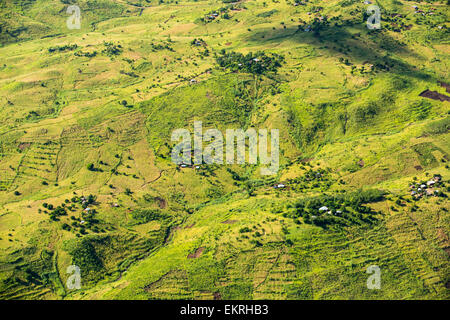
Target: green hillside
86,176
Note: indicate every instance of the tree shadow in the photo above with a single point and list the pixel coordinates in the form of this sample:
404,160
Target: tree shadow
363,46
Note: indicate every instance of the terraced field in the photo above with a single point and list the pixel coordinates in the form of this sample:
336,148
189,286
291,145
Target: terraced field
87,179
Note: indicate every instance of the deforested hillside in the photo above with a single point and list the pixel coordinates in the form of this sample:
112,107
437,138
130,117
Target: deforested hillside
87,176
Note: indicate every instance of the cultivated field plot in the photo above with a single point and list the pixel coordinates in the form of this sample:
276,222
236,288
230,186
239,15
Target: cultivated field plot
87,179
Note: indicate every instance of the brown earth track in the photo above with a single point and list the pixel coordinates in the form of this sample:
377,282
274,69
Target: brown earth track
229,221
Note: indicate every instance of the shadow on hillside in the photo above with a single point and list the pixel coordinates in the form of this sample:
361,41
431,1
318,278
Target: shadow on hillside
377,48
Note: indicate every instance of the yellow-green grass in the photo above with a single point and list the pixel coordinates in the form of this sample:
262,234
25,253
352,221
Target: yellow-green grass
74,102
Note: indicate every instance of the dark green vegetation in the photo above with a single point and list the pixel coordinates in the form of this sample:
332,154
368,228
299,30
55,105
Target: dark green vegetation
86,178
344,210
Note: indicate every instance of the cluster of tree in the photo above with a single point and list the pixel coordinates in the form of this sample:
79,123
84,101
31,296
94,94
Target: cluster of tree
112,49
198,42
35,272
87,221
235,175
146,215
68,205
341,210
318,25
212,15
84,255
86,201
432,17
318,178
258,63
55,212
68,47
159,46
130,74
85,54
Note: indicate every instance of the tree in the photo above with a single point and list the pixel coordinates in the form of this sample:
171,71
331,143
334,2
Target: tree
257,64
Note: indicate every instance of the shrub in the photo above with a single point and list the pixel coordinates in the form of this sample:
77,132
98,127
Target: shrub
84,255
145,215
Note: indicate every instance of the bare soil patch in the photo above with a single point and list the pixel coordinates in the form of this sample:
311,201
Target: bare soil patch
361,163
161,202
196,254
434,95
24,145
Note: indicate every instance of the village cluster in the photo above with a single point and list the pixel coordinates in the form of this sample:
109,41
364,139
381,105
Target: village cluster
428,188
417,10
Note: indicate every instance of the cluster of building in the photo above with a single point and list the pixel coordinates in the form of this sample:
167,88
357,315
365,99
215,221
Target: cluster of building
184,166
418,190
429,12
417,10
325,209
212,16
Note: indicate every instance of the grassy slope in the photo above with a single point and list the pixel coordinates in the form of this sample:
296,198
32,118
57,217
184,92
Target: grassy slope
73,103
